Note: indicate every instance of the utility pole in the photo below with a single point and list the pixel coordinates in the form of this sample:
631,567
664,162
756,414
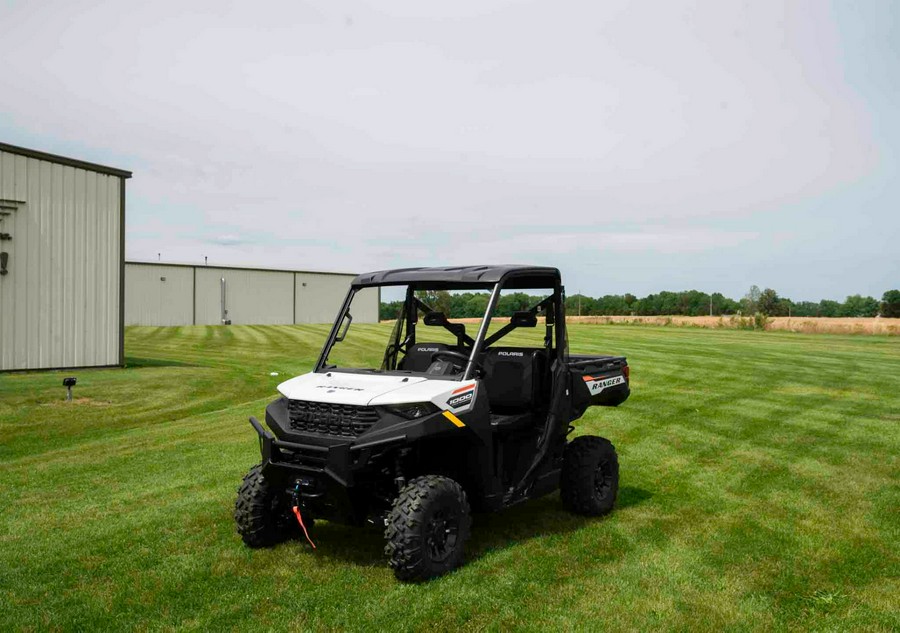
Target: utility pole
710,305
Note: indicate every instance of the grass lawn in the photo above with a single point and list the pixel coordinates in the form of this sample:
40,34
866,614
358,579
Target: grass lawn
760,476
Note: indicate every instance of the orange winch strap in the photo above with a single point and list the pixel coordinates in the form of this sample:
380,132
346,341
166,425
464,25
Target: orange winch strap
300,520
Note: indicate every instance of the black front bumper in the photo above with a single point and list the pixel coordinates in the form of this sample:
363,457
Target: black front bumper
328,480
339,461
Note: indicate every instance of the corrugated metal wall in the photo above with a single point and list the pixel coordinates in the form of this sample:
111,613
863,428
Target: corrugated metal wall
158,295
252,296
60,301
319,297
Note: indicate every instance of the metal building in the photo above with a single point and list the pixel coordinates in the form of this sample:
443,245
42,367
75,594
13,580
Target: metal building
182,294
62,235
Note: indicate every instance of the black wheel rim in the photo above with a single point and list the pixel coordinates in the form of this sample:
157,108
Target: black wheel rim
603,479
441,533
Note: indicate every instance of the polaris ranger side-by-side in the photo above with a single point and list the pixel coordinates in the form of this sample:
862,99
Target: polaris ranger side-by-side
449,419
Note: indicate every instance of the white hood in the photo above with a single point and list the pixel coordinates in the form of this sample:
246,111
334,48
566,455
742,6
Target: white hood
378,389
339,388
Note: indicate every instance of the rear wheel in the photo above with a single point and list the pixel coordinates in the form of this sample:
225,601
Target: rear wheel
427,528
263,517
590,476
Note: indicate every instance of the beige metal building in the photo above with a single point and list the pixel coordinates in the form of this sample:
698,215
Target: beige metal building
62,232
179,294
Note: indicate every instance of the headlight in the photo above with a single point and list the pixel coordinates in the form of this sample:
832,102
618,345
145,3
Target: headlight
413,410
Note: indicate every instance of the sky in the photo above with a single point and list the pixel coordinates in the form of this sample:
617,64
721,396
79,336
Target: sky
637,146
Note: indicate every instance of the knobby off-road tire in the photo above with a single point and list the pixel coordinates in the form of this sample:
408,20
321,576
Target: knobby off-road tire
590,476
263,517
427,528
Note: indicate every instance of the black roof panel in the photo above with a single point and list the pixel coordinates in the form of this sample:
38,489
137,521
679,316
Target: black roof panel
459,275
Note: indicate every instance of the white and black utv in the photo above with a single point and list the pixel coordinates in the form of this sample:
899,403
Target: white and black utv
435,422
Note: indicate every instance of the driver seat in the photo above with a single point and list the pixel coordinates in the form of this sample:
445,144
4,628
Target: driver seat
516,379
418,356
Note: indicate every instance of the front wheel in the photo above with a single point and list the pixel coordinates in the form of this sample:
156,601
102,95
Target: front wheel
427,528
262,516
590,476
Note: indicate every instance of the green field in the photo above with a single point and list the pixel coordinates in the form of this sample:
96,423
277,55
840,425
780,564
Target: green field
760,477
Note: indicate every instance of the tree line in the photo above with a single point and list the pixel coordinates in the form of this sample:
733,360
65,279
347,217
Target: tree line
685,303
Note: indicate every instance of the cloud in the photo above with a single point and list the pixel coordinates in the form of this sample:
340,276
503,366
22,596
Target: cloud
422,133
228,240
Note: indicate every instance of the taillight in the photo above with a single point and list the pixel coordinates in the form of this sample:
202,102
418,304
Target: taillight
627,371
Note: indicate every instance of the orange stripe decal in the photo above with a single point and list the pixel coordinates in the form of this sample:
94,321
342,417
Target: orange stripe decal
588,378
456,421
466,388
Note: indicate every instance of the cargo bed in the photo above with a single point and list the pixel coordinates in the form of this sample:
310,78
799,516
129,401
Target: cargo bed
599,380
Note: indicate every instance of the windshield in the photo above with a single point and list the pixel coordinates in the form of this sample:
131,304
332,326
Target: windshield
412,322
434,331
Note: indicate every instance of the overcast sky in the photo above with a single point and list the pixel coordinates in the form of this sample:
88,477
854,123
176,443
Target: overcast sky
638,146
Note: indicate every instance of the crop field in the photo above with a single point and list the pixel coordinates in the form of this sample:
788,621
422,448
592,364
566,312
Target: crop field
760,476
807,325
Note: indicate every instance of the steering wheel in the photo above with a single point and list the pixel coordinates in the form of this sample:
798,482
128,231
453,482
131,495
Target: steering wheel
461,359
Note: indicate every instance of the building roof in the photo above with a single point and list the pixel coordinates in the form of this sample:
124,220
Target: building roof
518,276
62,160
239,267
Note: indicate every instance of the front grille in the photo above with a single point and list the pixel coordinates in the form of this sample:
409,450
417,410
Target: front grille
330,419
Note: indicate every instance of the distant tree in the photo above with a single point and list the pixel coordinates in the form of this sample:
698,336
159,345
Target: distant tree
859,306
389,311
805,309
769,303
443,301
890,304
513,302
750,302
828,308
475,306
458,304
610,304
645,306
668,302
785,307
699,303
686,302
693,303
580,304
437,300
724,305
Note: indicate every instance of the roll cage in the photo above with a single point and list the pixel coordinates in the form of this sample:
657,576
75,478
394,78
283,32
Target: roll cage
495,279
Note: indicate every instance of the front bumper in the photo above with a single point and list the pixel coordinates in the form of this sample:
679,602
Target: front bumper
328,480
339,461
